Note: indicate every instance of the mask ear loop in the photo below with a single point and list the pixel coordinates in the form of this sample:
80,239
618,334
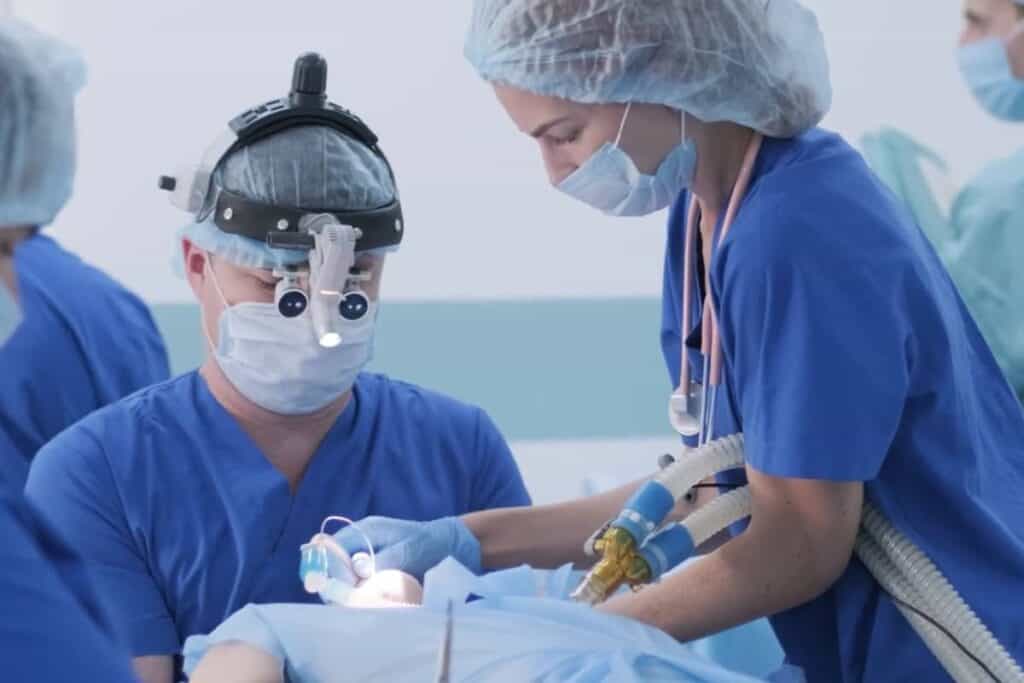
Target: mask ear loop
208,267
332,545
622,124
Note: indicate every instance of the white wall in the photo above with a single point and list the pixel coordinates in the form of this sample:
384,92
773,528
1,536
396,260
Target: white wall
165,78
556,471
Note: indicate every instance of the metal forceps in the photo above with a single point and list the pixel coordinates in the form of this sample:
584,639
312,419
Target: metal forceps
444,664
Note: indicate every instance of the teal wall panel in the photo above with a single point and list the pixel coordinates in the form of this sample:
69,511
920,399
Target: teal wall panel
549,369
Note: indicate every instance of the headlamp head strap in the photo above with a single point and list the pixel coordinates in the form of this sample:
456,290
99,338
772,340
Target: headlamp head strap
306,105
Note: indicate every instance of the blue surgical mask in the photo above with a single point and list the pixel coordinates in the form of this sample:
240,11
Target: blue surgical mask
10,315
986,67
610,181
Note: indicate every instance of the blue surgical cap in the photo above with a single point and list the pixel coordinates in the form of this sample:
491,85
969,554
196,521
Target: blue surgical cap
39,77
758,63
307,167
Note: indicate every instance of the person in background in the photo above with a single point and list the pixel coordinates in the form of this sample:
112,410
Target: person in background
79,339
53,628
978,230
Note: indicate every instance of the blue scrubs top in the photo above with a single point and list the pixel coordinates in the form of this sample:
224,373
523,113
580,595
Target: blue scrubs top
849,356
52,627
184,521
84,341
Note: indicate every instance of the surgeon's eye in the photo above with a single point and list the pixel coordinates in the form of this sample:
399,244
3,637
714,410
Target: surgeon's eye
976,21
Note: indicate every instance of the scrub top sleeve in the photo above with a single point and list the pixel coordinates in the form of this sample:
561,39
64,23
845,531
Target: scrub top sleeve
46,634
71,486
498,482
815,339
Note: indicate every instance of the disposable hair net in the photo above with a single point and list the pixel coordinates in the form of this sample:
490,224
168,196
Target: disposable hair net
307,167
39,77
759,63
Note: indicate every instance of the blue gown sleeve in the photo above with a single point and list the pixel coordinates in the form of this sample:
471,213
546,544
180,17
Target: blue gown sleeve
497,482
816,337
985,262
46,634
71,486
899,160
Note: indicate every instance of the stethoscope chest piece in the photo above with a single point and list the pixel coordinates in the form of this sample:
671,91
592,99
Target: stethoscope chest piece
684,410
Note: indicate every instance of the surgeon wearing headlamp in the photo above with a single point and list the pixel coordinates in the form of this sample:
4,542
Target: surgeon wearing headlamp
187,500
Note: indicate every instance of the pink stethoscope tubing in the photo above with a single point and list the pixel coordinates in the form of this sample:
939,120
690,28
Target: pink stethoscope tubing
711,343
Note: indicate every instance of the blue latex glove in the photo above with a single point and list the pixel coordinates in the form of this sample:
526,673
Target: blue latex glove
413,547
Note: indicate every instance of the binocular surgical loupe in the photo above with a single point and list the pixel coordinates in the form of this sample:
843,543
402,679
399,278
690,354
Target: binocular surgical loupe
335,298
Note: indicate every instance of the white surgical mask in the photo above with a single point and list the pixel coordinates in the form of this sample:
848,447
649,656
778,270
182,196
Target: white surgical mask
610,181
276,362
10,315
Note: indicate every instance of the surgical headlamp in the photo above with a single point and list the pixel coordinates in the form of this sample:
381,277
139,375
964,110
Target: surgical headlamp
331,238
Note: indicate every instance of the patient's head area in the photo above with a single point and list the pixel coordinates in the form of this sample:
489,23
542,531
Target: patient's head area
347,581
386,588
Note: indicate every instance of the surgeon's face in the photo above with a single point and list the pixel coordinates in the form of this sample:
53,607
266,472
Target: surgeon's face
989,19
568,133
250,285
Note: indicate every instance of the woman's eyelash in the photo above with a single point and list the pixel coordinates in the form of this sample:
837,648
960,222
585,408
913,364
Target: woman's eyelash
568,139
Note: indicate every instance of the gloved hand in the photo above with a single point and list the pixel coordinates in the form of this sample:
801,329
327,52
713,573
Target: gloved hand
413,547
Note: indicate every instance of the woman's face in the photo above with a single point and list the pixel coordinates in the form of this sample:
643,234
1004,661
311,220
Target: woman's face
568,133
988,19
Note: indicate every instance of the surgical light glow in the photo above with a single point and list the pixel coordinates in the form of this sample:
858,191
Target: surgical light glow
330,340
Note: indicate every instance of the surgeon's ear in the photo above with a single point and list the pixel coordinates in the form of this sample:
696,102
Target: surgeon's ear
194,259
